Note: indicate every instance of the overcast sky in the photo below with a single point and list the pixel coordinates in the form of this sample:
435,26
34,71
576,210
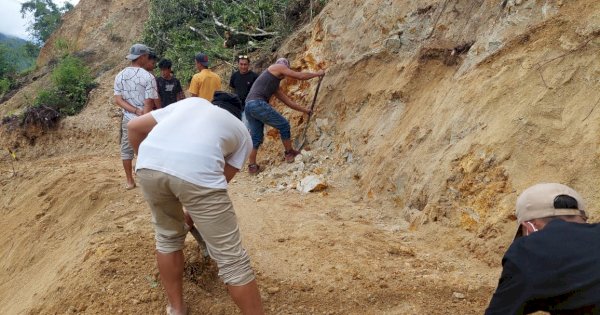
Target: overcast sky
12,23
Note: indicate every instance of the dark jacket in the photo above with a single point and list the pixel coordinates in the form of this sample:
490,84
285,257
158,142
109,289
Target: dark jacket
556,270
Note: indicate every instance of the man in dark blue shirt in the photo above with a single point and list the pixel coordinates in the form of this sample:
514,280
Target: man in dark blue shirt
553,264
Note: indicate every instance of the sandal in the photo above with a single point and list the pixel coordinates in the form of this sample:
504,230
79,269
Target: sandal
253,169
290,155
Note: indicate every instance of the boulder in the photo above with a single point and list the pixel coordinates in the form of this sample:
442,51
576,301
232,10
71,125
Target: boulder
311,183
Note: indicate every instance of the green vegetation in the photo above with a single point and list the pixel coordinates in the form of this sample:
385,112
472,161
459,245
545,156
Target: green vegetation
72,82
178,29
66,96
19,52
16,56
46,18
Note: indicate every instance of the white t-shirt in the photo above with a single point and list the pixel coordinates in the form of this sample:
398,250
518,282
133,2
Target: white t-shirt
192,140
135,85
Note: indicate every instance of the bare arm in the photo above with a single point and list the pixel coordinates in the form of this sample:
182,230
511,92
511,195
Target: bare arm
229,172
126,106
138,129
278,69
148,105
291,104
180,96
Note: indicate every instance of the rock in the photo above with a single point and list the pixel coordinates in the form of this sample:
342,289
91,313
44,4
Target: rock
307,154
273,290
393,43
494,45
299,165
321,123
277,175
311,183
458,295
258,200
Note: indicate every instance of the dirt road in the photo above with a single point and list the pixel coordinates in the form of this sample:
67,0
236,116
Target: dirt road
79,243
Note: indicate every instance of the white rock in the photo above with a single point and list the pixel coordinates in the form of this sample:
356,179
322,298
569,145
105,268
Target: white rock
299,166
458,295
311,183
322,123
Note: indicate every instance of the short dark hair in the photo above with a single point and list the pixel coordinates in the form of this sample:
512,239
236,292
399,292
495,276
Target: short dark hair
565,202
165,64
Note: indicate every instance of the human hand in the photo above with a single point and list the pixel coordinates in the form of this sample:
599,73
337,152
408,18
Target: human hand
308,111
320,73
187,218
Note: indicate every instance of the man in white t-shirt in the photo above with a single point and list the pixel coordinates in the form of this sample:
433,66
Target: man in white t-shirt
135,91
187,153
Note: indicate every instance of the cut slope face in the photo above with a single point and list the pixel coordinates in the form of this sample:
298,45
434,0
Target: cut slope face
451,108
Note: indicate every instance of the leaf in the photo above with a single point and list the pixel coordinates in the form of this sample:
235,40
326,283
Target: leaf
153,282
12,153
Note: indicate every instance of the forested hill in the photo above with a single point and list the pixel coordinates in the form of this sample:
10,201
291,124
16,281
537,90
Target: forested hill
20,51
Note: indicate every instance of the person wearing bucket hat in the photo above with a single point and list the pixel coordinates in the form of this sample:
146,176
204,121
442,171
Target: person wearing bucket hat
205,82
134,91
552,264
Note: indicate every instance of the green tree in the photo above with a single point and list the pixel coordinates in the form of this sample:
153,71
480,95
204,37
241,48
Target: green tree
178,29
7,65
46,17
7,69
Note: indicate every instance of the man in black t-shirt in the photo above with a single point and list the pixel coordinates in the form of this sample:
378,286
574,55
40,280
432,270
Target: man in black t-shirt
242,80
553,263
169,87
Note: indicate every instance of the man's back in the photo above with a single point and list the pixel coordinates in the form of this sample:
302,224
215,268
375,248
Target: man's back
204,84
555,270
193,140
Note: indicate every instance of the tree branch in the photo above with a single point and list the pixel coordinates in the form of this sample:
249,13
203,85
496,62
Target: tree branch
199,33
236,32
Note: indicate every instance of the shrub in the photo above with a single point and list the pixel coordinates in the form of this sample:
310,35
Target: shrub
72,83
5,85
49,98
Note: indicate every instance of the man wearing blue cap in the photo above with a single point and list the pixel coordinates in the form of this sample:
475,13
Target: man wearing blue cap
205,82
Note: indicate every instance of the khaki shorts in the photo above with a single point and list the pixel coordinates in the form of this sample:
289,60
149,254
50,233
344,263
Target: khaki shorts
213,214
126,148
